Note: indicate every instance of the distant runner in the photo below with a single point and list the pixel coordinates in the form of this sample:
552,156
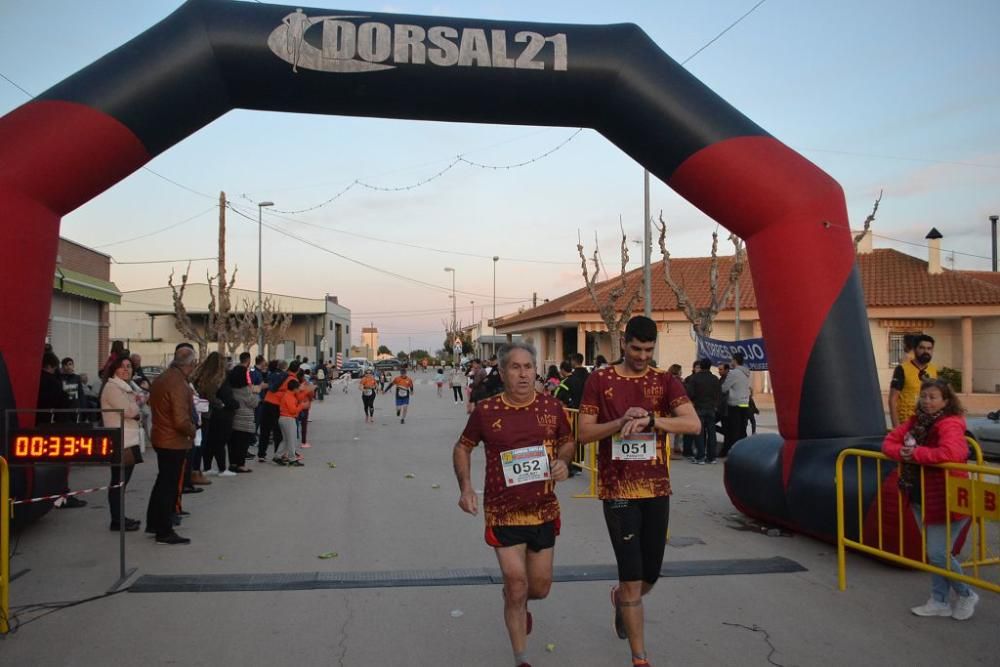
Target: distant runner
529,444
368,386
629,407
404,387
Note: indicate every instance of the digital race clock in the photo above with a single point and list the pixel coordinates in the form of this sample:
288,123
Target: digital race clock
69,443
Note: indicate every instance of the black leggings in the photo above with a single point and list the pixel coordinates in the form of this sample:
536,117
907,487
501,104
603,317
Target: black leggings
268,427
239,442
369,404
457,391
638,531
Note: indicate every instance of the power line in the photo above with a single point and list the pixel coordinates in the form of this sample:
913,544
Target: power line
440,288
905,159
166,261
459,159
16,86
912,243
270,212
162,229
728,28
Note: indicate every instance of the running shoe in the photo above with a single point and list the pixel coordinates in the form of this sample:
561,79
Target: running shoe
962,611
618,623
295,464
933,608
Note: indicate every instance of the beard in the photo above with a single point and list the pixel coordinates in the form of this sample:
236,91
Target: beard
924,358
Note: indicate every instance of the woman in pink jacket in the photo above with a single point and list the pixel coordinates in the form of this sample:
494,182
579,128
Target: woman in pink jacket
935,434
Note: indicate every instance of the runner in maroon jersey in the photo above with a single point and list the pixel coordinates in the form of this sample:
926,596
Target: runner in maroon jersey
529,444
630,407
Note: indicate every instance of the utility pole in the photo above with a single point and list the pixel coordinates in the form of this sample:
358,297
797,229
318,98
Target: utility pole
647,250
534,299
260,273
222,311
493,338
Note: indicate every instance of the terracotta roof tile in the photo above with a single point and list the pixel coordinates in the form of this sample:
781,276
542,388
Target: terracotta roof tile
888,277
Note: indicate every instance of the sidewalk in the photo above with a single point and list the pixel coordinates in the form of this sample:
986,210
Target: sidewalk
390,506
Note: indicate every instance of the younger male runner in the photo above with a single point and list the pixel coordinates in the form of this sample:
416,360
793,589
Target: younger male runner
630,407
404,387
529,444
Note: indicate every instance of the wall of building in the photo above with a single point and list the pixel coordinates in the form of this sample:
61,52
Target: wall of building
74,331
986,355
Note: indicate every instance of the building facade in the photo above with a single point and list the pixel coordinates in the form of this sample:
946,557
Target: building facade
79,318
146,322
903,294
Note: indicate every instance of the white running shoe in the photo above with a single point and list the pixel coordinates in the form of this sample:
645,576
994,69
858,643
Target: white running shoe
210,473
227,473
965,607
933,608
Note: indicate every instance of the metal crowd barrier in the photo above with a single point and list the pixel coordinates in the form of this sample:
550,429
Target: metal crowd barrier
977,497
585,457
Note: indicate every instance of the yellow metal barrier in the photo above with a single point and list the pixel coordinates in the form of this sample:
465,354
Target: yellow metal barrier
6,509
585,457
975,497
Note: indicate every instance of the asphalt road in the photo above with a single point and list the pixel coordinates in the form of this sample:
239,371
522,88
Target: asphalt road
390,505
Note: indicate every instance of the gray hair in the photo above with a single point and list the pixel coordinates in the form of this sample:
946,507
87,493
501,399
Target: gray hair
504,353
185,356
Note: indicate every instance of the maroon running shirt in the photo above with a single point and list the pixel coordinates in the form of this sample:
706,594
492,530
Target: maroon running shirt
609,395
510,433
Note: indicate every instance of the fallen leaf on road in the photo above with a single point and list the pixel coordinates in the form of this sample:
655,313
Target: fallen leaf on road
328,555
331,464
457,613
409,475
550,647
435,486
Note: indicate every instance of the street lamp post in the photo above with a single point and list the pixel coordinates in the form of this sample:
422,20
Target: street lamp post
260,272
454,310
493,338
993,222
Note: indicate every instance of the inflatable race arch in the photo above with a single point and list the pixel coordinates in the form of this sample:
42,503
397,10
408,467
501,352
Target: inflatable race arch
86,133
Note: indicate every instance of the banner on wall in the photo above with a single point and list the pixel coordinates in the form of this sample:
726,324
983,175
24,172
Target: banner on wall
721,351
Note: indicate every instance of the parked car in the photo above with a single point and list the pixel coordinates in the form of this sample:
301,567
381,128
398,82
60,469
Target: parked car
355,368
152,372
986,430
388,365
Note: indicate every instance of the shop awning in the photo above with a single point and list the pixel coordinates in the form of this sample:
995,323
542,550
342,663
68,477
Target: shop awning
80,284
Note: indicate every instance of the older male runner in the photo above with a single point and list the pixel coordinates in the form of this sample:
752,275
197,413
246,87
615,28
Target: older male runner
529,444
630,407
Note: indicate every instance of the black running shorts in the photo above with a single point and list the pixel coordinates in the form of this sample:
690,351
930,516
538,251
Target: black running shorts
638,531
538,537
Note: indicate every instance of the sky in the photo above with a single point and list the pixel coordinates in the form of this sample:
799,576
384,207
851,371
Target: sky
898,96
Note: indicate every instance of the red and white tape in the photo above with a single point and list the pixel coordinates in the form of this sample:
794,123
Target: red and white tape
64,495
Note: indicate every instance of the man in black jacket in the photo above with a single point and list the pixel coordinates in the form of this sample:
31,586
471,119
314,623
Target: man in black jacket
576,380
705,390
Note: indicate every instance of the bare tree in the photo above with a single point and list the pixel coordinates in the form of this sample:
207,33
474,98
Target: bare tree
275,322
868,222
702,318
182,319
615,308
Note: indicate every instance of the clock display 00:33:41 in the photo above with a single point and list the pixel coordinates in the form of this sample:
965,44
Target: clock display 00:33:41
62,446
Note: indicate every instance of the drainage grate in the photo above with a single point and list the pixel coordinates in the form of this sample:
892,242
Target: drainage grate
304,581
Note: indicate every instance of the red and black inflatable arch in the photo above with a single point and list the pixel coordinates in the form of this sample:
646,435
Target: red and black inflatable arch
101,124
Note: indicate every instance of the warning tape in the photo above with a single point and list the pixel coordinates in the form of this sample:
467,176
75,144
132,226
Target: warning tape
65,495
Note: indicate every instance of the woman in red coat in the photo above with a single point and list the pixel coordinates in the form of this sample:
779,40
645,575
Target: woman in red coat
935,434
